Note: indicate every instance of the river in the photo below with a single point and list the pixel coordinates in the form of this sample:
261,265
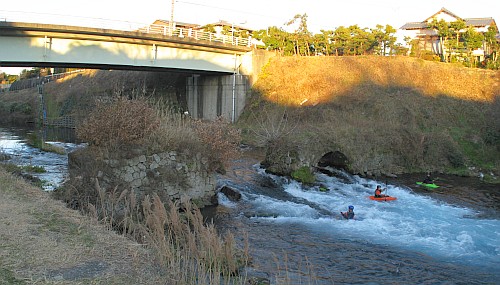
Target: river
13,142
446,236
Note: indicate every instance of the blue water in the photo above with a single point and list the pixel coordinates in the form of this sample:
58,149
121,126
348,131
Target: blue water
413,221
448,234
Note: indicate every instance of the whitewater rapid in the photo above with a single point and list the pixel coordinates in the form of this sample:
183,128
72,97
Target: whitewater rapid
413,222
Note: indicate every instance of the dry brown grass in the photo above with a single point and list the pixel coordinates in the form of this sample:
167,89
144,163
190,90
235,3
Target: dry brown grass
322,79
188,250
43,242
221,138
152,124
387,114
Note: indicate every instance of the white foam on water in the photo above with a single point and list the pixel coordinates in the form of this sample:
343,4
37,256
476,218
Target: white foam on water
279,208
224,201
412,222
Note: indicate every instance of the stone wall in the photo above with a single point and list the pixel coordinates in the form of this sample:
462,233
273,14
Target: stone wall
171,175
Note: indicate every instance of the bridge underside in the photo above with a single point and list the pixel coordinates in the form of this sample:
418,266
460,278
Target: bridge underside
55,52
215,88
107,67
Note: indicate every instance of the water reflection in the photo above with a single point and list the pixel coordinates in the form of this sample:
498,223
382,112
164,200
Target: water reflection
14,144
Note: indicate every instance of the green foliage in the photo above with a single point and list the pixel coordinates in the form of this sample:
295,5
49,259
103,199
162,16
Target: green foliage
209,28
31,73
304,175
473,39
52,107
33,168
24,108
385,39
12,168
352,40
35,140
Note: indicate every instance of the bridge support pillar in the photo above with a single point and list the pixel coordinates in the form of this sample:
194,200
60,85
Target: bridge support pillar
209,97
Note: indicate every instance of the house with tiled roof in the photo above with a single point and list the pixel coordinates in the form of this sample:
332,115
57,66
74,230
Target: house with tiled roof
428,38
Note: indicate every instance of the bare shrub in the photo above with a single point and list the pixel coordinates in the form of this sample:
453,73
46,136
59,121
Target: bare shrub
122,122
271,126
221,138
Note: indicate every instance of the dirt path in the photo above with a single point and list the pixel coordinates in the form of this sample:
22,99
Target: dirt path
43,242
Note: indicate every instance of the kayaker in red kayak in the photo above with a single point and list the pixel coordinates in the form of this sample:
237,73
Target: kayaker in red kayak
378,192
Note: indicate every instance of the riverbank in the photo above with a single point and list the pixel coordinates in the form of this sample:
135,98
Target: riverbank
470,192
382,115
425,237
44,242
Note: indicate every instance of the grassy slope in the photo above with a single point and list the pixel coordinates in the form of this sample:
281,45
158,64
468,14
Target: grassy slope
387,114
76,94
43,242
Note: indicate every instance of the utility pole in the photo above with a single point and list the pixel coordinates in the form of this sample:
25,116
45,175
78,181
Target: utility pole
171,23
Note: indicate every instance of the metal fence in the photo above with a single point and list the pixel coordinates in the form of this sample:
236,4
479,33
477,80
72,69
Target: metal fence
63,122
34,82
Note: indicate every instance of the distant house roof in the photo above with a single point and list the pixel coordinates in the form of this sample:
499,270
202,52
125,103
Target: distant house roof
475,22
414,25
177,24
196,26
443,10
225,23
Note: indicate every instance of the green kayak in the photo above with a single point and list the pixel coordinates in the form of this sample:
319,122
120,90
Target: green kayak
431,185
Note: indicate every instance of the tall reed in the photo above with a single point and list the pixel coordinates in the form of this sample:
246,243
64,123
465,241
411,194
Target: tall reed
188,250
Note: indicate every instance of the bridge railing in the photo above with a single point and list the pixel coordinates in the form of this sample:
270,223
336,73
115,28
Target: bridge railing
195,34
99,23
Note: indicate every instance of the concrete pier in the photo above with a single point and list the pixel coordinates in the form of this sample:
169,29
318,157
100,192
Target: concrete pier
209,97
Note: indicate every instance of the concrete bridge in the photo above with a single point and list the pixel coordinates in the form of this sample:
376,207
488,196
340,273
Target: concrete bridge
221,67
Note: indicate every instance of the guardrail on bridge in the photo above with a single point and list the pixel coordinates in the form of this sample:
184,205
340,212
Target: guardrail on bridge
56,19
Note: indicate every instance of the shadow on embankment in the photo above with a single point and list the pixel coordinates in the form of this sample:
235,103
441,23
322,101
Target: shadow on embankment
387,115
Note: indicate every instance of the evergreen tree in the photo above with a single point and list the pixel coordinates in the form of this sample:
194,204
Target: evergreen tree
473,40
442,29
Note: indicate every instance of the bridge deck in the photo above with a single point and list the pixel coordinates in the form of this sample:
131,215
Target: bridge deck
197,42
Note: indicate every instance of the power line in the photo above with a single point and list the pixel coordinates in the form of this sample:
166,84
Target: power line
224,8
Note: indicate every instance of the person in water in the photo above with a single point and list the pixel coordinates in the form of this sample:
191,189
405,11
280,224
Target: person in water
378,192
349,214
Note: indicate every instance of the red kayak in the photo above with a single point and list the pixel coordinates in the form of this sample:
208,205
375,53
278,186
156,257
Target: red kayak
388,198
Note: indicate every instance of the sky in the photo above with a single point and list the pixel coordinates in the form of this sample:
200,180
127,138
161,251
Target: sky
253,14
